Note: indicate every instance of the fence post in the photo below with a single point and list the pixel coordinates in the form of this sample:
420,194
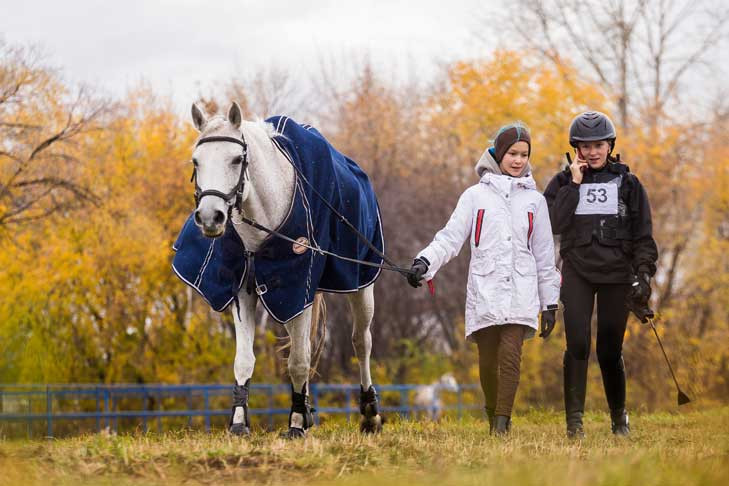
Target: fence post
189,406
145,401
49,412
30,411
314,391
107,420
405,403
116,416
206,405
98,410
159,408
348,401
269,390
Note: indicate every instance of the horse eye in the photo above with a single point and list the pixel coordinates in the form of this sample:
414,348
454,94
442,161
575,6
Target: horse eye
238,160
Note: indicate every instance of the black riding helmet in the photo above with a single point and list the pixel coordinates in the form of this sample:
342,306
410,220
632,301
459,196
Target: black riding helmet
592,126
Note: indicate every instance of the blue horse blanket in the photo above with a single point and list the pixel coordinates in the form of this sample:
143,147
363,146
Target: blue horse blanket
287,276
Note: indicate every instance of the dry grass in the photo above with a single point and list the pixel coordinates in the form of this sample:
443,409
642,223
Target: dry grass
664,449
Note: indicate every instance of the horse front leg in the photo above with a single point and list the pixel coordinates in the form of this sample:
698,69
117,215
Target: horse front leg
362,305
300,417
245,330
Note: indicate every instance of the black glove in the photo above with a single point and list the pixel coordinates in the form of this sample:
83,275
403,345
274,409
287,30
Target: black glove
548,320
420,266
643,313
639,297
641,289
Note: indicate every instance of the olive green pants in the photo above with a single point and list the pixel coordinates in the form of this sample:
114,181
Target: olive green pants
499,363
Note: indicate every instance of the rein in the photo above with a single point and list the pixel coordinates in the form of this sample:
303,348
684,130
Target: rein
258,226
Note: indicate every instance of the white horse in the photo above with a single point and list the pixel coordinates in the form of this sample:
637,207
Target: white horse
427,397
266,180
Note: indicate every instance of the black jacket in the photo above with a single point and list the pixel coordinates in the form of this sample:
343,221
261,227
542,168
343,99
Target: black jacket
604,248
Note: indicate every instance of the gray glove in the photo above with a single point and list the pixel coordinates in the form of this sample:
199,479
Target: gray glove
420,266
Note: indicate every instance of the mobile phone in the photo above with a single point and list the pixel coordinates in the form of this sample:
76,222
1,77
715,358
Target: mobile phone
581,157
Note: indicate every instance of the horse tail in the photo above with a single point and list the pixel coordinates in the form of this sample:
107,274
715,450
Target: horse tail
318,331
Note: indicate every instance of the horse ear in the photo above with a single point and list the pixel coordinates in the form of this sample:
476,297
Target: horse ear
198,117
234,115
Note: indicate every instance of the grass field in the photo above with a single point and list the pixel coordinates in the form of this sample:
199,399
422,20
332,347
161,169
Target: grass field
664,449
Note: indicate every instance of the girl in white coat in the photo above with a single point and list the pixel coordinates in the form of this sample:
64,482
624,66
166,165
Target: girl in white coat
512,274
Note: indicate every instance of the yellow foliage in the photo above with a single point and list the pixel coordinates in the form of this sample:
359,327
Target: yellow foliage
508,87
87,294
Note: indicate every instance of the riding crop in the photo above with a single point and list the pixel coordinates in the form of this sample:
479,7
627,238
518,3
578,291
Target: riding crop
682,397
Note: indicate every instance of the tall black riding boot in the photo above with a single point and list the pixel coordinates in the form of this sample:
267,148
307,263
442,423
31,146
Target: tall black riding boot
613,379
575,385
619,422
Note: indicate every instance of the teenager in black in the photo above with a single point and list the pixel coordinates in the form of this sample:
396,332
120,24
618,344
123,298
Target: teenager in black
602,214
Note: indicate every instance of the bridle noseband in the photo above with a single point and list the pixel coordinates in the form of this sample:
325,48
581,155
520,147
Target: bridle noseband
237,191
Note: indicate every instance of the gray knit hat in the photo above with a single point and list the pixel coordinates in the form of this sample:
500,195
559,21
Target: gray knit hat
507,136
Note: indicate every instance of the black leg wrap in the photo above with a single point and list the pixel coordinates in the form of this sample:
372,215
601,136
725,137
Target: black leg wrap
300,405
368,404
372,420
240,399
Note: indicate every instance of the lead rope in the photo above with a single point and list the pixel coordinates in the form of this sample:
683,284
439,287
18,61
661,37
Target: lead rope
258,226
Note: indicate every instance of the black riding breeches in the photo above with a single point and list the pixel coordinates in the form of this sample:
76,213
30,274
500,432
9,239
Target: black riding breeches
578,297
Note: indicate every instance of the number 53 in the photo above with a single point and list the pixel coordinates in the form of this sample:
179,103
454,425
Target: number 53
599,195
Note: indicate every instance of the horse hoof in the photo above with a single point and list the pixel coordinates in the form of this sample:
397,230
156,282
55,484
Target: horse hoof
371,425
240,430
294,433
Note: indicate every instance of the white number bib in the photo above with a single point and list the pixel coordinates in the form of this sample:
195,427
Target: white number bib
598,199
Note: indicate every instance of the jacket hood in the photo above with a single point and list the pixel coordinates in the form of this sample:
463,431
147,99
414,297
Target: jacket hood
487,165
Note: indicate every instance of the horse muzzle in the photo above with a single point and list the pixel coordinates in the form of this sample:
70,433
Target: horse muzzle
211,221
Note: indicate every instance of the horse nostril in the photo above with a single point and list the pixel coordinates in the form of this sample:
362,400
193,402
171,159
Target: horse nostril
219,217
198,220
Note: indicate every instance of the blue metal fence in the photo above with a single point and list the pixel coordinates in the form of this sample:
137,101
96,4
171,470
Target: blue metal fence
107,404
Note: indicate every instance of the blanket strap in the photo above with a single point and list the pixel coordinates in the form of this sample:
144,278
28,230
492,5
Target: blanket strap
250,278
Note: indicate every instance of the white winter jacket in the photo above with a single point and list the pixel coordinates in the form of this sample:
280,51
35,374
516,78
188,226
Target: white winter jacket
512,274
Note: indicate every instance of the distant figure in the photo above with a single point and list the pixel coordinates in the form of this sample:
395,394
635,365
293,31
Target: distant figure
428,396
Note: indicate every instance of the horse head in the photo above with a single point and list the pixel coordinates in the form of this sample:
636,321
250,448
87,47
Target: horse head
220,169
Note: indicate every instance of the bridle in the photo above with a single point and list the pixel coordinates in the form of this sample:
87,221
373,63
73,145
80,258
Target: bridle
237,191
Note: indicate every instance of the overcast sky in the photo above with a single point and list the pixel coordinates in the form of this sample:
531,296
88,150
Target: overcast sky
180,46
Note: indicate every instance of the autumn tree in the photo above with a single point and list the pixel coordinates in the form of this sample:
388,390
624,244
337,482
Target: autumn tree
42,122
641,51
